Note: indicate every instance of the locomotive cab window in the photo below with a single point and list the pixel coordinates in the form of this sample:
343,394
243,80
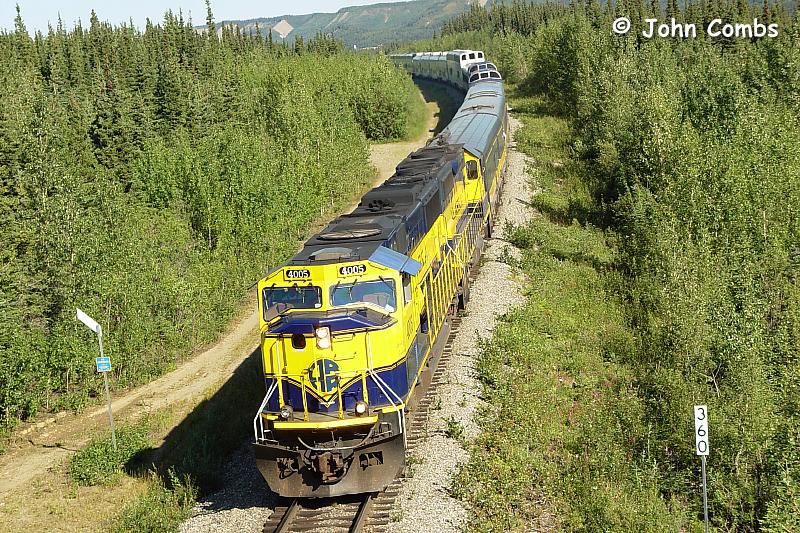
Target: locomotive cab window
380,293
279,299
472,170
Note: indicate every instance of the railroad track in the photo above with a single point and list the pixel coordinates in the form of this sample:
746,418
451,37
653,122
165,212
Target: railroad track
346,514
369,513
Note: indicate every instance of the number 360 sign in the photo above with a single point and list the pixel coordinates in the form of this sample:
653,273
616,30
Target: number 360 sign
701,429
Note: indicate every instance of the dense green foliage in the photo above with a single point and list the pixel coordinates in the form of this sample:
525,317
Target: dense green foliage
149,177
517,16
693,170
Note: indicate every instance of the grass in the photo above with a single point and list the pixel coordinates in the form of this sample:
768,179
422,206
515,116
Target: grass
191,460
417,122
161,509
170,461
564,424
454,429
410,465
417,117
100,464
444,99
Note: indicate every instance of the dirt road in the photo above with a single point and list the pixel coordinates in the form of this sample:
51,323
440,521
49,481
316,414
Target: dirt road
34,450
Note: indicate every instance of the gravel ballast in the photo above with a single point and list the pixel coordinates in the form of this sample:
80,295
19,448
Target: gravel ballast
425,503
244,503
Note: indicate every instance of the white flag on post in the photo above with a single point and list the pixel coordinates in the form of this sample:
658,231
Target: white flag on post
89,322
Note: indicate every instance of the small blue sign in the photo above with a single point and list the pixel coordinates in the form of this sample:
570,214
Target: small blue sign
103,364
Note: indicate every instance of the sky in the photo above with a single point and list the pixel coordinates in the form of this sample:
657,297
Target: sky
37,13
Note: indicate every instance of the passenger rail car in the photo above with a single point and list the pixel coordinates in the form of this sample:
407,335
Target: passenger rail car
450,67
351,324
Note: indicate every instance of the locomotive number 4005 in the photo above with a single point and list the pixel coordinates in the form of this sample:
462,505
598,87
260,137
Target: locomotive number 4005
294,274
352,270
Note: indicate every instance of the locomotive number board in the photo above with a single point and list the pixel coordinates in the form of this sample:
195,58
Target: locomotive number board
296,274
352,270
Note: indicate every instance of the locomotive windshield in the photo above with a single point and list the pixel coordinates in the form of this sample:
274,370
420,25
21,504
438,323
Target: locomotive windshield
278,299
380,293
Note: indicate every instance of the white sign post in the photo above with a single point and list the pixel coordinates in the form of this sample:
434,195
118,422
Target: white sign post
701,448
103,365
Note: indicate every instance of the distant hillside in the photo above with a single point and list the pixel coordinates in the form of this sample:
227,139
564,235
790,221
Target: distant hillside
363,26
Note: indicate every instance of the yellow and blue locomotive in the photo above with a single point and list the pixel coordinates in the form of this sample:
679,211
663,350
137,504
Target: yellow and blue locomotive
351,325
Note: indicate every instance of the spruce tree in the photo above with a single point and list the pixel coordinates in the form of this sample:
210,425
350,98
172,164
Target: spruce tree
211,29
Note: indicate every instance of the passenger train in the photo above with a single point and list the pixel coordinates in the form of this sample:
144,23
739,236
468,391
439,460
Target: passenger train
352,326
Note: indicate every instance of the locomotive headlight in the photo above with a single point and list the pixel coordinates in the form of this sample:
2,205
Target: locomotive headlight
361,407
286,412
323,338
324,343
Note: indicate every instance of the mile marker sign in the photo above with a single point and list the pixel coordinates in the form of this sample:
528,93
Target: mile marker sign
701,429
701,448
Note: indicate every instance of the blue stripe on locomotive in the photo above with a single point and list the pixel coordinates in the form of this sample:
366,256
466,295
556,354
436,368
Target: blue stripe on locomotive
396,378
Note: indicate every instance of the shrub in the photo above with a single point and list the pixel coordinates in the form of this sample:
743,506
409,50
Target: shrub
99,463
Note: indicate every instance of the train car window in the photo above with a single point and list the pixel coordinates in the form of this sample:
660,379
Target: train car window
472,56
307,297
406,289
472,170
464,57
380,293
494,75
459,175
474,77
480,54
